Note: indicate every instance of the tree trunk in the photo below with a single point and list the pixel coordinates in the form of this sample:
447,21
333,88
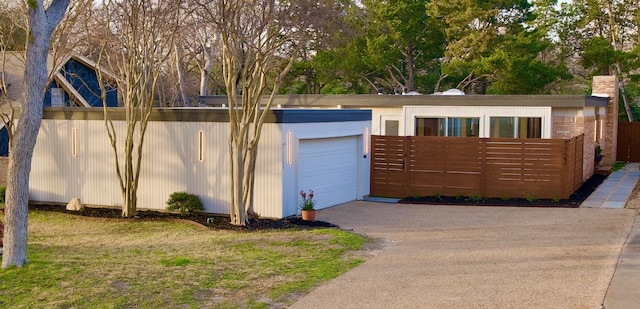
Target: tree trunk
236,150
180,71
205,72
627,107
41,26
129,198
623,91
411,82
249,181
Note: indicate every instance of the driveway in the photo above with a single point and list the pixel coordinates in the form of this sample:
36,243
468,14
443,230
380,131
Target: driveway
476,257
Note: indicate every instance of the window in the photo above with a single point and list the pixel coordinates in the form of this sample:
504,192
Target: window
529,127
463,127
502,127
391,127
430,126
505,127
57,97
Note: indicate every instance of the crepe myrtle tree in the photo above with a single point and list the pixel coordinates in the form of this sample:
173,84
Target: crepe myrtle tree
260,40
42,21
137,43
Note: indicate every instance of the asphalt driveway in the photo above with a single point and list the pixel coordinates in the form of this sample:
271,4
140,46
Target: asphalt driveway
477,257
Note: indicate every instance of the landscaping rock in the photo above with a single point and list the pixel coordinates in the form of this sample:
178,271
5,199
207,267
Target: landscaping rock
75,205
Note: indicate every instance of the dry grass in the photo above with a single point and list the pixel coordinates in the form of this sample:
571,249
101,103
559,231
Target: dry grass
76,262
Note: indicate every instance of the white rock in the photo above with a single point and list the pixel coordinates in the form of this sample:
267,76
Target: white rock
75,205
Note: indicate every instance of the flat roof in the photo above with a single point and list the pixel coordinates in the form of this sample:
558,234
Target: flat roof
207,114
370,101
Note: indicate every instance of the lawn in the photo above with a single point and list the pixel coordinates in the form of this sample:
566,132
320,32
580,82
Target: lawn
79,262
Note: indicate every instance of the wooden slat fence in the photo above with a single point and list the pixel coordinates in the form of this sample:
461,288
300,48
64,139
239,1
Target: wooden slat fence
404,166
628,142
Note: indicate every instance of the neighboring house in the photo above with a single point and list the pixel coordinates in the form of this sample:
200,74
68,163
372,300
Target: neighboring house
74,83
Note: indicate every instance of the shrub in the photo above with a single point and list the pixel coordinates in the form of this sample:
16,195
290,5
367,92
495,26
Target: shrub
437,196
3,191
184,202
530,198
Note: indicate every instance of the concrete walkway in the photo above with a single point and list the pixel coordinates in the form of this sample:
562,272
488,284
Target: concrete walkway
493,257
615,190
624,290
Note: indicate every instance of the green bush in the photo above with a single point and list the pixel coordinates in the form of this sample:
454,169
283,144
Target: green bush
184,202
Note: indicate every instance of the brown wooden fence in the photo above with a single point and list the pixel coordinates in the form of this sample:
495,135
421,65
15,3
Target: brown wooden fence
404,166
628,142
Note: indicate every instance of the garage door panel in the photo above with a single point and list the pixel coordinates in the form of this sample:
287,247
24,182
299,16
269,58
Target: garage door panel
329,168
336,172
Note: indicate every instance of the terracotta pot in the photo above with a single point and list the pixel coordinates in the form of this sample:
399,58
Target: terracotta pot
308,215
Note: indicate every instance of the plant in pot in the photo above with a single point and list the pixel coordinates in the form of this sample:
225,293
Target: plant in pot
598,154
307,206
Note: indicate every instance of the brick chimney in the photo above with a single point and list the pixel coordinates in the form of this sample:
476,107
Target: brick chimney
608,85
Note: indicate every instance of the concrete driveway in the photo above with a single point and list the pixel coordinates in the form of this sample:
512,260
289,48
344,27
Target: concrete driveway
477,257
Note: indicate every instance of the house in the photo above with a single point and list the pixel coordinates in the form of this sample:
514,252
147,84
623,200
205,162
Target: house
320,143
503,116
74,83
185,149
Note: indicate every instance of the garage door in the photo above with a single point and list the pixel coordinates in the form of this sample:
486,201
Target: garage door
329,167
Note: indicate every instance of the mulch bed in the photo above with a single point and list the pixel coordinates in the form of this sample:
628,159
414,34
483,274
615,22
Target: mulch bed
207,220
573,201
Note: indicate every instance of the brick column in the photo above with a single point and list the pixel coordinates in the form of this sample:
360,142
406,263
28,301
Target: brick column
609,142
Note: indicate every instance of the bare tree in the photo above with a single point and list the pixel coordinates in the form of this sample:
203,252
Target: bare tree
260,40
42,21
137,44
200,40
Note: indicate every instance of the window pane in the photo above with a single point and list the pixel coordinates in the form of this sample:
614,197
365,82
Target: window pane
464,127
430,126
391,127
529,127
502,127
57,97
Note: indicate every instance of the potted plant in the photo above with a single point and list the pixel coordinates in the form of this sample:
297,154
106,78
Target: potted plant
598,154
307,206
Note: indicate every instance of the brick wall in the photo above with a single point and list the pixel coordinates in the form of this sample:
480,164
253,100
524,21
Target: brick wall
608,85
589,145
567,126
